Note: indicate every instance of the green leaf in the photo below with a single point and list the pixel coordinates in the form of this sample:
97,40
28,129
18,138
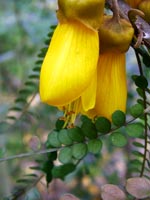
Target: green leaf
140,92
89,129
53,139
137,144
37,69
135,164
94,146
118,118
65,155
38,62
141,82
31,84
145,55
76,134
136,110
118,139
25,92
47,168
103,125
34,76
79,150
21,100
134,130
137,153
64,137
63,170
140,101
16,109
59,124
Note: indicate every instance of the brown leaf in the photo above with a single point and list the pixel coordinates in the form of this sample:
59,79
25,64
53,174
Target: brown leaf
138,187
68,197
112,192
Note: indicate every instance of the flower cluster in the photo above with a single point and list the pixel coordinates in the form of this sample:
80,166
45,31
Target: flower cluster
84,68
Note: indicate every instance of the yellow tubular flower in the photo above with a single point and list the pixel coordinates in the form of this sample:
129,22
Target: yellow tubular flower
111,94
133,3
69,64
68,73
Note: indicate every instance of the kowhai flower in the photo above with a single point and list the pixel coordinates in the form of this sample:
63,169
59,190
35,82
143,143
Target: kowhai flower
111,94
69,71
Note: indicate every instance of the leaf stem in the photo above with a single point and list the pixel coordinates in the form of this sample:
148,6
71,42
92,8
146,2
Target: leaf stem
145,116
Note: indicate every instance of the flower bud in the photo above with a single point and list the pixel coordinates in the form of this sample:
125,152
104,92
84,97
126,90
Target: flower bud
115,36
89,12
145,7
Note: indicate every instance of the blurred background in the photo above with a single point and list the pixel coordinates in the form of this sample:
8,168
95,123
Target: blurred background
24,26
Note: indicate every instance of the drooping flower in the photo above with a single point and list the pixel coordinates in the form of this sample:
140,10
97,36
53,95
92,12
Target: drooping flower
111,95
69,70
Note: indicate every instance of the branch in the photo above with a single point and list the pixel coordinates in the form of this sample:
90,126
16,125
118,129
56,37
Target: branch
34,153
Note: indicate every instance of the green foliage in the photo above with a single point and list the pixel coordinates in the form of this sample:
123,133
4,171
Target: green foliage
79,150
118,139
118,118
64,138
63,170
135,130
103,125
95,146
65,155
136,110
89,129
76,134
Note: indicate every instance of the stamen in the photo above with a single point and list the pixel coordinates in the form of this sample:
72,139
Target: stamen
70,113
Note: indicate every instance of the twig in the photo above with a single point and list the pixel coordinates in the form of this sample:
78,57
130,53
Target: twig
23,155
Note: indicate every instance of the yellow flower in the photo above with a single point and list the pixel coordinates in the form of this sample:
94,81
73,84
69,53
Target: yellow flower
111,92
68,75
70,62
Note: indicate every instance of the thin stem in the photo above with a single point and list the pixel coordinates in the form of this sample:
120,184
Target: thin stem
23,155
115,9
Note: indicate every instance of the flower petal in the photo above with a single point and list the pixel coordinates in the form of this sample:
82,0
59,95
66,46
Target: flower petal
89,96
69,64
111,85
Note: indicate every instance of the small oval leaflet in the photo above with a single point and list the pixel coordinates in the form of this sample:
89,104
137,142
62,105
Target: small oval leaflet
79,150
76,134
65,155
136,110
89,129
103,125
53,139
64,137
134,130
141,82
118,118
94,146
118,139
